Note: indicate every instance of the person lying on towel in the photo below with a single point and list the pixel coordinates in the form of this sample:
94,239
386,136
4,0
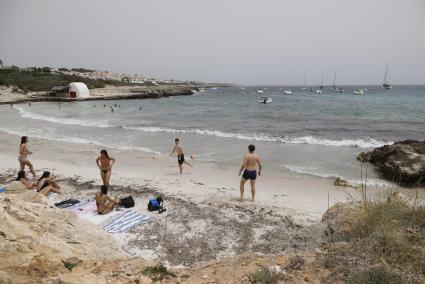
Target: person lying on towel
23,179
104,202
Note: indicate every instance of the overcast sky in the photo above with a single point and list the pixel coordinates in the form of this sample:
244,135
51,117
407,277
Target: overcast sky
244,41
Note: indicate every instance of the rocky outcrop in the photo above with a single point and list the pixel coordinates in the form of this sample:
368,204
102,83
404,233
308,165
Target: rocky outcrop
403,162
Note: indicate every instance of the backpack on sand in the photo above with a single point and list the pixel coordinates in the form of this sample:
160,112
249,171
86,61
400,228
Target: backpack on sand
155,204
127,202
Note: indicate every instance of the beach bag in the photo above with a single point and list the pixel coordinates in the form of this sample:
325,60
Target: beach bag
127,202
67,203
155,204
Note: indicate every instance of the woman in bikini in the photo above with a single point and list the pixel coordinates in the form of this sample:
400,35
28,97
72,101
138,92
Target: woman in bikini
104,202
23,179
23,155
47,184
105,163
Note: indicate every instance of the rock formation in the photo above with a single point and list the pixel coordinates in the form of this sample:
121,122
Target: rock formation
403,162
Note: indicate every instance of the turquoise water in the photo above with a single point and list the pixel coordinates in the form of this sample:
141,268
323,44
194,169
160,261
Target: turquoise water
307,133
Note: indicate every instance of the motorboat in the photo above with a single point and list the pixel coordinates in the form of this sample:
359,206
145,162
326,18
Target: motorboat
260,91
287,92
265,100
319,91
359,92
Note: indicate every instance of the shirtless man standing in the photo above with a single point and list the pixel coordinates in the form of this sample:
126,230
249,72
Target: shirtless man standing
249,166
180,156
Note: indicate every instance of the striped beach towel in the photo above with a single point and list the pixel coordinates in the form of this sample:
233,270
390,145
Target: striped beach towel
125,222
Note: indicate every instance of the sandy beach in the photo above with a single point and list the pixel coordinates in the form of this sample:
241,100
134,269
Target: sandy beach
204,220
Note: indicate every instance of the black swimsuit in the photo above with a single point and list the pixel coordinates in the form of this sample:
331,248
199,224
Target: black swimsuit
45,184
250,175
180,159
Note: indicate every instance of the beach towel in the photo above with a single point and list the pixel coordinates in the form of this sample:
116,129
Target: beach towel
78,206
84,207
2,189
67,203
125,222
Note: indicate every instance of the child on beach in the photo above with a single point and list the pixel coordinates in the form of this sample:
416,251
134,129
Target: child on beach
47,183
105,163
104,202
249,166
23,156
180,155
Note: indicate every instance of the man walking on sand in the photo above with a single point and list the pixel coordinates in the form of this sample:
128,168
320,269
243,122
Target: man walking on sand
249,168
180,156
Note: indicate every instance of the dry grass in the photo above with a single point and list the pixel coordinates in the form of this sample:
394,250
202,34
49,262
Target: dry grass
265,276
386,231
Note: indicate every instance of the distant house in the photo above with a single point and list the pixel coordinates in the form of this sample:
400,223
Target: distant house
78,90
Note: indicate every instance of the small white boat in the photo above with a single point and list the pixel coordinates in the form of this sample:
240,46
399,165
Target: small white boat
288,92
265,100
260,91
339,90
242,88
319,91
359,92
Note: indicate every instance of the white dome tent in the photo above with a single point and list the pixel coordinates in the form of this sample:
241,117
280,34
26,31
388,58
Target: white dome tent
78,90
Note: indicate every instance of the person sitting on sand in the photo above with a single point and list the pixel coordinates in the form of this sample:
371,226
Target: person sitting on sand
105,163
180,156
23,156
249,166
23,179
47,183
104,202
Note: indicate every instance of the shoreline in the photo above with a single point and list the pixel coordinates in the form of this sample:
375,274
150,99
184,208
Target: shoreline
205,180
111,93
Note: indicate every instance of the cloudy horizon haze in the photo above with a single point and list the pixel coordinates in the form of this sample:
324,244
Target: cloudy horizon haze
241,41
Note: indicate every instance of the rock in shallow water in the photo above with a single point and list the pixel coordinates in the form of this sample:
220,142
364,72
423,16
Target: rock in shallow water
403,162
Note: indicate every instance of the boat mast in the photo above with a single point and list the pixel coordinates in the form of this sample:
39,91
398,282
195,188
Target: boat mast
334,79
386,74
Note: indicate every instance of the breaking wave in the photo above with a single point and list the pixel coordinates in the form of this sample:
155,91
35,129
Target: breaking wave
360,142
68,139
310,140
68,121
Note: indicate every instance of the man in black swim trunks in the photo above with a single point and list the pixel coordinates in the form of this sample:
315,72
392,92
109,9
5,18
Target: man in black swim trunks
249,168
180,156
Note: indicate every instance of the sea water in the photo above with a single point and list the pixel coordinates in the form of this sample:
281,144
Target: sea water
302,133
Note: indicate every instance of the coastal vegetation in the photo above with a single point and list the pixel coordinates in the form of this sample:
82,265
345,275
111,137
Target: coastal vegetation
157,272
43,79
379,240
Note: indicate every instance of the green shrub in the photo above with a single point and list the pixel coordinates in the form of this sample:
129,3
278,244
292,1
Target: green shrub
157,272
69,265
376,275
265,276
